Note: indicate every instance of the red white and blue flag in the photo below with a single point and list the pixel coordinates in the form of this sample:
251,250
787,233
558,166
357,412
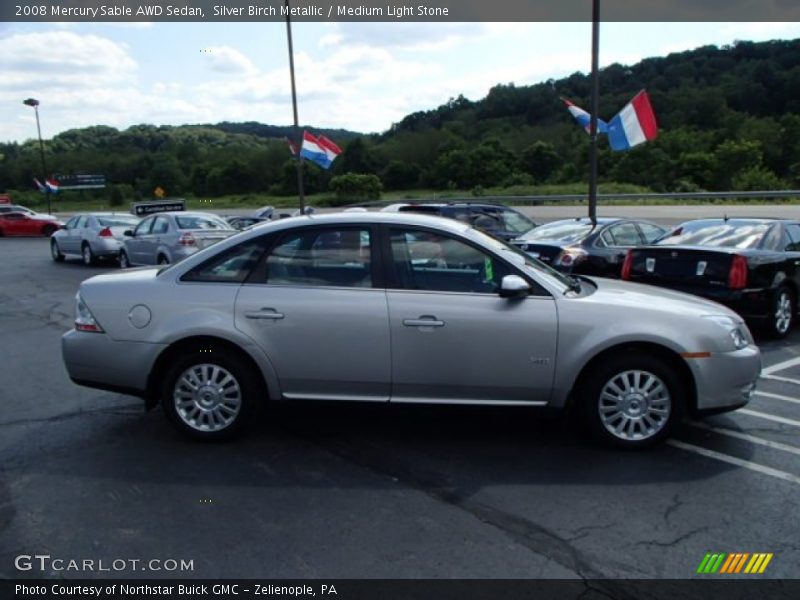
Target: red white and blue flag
319,150
634,124
584,118
50,185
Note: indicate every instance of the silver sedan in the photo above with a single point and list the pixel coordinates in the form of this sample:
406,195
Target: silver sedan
91,236
403,308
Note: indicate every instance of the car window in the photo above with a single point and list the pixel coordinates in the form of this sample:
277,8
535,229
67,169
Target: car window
71,223
161,225
793,233
625,234
82,220
200,222
338,257
425,260
512,221
651,232
230,266
117,221
143,228
14,216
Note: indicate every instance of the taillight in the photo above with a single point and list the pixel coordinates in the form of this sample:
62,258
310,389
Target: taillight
105,232
84,320
737,276
186,239
627,265
569,257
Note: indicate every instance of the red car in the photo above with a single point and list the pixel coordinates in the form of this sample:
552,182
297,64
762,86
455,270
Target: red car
21,223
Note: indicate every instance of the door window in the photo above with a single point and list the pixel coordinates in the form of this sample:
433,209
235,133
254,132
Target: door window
424,260
338,257
143,228
651,232
231,266
793,232
160,226
82,221
625,234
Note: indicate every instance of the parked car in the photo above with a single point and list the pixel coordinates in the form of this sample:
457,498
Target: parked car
169,237
91,236
750,265
403,308
240,223
28,223
578,246
495,219
7,208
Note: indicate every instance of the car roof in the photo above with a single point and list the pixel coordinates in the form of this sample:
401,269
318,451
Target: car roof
390,218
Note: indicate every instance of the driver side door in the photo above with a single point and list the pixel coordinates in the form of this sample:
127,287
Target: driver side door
453,338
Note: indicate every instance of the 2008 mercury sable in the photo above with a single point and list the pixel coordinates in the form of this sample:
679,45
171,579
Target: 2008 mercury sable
385,307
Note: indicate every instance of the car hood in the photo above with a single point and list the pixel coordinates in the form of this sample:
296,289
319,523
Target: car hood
637,296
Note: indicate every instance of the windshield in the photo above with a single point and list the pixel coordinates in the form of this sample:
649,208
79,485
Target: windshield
562,231
517,222
200,222
117,221
535,268
718,234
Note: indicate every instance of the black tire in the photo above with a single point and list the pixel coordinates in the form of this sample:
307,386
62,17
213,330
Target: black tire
87,256
55,252
49,230
637,415
162,260
124,263
194,418
783,309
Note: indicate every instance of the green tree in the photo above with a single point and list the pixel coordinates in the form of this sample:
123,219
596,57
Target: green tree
355,187
541,160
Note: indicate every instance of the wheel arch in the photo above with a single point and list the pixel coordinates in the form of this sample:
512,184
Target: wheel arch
196,343
664,353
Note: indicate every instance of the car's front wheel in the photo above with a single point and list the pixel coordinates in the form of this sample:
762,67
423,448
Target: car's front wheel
209,395
631,401
55,251
124,262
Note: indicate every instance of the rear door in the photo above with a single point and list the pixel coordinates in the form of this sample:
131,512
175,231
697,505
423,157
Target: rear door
317,309
453,338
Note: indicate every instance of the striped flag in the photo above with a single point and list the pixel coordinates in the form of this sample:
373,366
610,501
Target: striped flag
635,124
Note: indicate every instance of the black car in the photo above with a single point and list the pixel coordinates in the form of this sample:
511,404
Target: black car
498,220
749,265
577,246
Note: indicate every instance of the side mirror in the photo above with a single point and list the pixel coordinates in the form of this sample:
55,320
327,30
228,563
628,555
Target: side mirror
127,233
514,286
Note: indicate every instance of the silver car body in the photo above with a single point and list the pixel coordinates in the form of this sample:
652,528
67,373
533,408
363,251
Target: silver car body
405,345
84,229
157,238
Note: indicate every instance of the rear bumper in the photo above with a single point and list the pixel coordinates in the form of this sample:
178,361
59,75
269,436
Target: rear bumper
106,247
752,304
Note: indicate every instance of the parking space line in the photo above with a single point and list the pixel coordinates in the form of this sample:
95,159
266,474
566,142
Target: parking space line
786,364
768,417
779,378
778,397
748,438
763,469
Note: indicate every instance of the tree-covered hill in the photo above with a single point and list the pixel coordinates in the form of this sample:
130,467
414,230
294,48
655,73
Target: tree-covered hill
729,118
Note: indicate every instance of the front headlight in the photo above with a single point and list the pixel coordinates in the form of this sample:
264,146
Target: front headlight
734,328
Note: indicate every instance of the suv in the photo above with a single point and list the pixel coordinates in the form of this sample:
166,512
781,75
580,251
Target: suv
496,219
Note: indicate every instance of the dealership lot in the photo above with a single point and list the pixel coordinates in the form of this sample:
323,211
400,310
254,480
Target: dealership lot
363,491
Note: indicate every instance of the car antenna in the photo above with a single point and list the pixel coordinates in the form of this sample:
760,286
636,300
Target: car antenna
725,217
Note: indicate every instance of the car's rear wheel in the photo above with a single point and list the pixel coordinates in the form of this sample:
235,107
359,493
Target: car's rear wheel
87,255
782,312
209,395
631,401
55,251
124,263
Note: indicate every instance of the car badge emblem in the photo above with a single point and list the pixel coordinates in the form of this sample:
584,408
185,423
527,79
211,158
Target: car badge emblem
674,254
701,268
650,264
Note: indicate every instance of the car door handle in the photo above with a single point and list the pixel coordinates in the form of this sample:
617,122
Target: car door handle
265,313
423,321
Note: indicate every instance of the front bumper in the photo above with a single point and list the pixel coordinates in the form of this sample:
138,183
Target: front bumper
95,360
725,381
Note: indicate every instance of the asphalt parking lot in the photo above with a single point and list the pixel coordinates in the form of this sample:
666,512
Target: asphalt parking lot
318,491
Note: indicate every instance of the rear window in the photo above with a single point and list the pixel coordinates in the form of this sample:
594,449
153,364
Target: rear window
117,221
200,222
717,234
563,231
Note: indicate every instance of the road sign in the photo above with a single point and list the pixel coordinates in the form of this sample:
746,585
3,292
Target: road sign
80,182
141,209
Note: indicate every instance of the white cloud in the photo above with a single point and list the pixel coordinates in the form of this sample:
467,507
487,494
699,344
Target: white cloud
230,61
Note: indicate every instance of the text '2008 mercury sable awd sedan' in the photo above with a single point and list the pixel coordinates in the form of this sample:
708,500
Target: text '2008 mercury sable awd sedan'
408,308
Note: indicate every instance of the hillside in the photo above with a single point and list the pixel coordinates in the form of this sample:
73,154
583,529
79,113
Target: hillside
729,119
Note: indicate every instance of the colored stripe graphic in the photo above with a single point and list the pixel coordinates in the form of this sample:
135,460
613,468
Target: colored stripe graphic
711,562
727,564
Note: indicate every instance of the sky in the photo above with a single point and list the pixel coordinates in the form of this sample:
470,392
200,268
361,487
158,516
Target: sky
358,76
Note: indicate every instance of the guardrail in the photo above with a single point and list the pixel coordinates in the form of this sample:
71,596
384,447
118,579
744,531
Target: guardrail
649,196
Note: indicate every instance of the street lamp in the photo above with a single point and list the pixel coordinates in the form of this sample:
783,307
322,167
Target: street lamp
33,102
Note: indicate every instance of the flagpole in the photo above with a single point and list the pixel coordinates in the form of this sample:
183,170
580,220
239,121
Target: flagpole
297,135
595,102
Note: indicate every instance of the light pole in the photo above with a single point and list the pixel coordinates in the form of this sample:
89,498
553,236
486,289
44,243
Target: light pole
298,139
595,106
35,104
